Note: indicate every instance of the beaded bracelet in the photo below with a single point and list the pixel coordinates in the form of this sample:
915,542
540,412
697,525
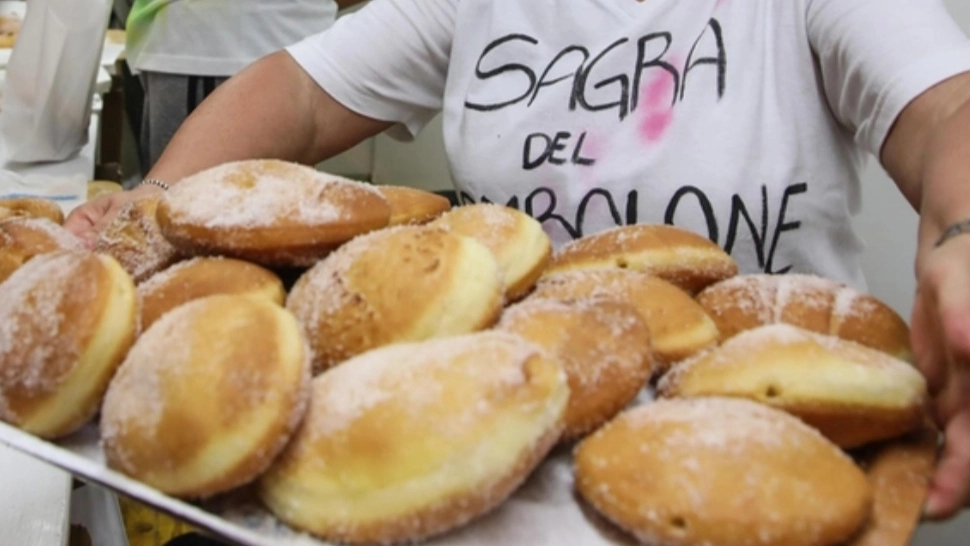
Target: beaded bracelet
154,182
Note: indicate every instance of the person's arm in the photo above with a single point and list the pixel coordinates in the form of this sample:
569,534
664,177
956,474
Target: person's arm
272,109
927,153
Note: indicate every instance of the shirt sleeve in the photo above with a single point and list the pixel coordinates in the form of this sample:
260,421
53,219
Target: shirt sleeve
878,55
388,60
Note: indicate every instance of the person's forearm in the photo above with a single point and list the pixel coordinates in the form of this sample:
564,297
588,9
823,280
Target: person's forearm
272,109
928,155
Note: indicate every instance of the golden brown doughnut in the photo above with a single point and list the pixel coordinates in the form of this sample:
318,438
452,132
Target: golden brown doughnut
135,240
721,471
899,471
808,301
522,248
851,393
404,283
603,346
97,188
23,238
270,212
67,319
31,207
411,440
201,277
207,396
682,257
413,206
678,326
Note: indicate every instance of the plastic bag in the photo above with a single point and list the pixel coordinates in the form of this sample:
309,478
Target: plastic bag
46,106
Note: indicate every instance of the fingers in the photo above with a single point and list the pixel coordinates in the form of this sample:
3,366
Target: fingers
926,338
85,220
950,487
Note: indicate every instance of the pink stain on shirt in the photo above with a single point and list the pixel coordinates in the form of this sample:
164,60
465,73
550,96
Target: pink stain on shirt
657,113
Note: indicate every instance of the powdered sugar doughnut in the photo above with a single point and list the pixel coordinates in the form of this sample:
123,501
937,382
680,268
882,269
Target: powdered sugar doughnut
207,396
808,301
522,248
679,256
23,238
411,440
603,346
205,276
413,206
405,283
678,326
851,393
721,471
67,319
31,207
270,212
135,240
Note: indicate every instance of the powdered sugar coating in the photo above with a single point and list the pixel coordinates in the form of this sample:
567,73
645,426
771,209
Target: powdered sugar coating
403,372
136,241
57,235
37,350
256,194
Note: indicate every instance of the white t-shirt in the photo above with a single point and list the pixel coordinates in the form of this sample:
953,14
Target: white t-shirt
218,37
744,120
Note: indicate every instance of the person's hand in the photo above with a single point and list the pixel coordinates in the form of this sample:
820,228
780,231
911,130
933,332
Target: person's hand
941,344
89,219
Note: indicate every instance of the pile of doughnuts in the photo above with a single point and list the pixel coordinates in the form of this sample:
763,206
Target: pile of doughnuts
428,359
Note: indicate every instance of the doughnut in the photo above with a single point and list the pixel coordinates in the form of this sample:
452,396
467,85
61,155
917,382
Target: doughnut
899,471
23,238
721,471
205,276
853,394
207,397
682,257
135,240
31,207
270,212
403,283
811,302
67,318
678,326
413,206
522,248
603,346
97,188
410,440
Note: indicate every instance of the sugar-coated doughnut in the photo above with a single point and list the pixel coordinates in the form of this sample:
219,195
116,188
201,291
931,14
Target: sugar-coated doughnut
97,188
411,440
522,248
67,319
31,207
404,283
270,212
413,206
851,393
899,471
682,257
135,240
23,238
678,326
205,276
603,346
721,471
808,301
207,396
